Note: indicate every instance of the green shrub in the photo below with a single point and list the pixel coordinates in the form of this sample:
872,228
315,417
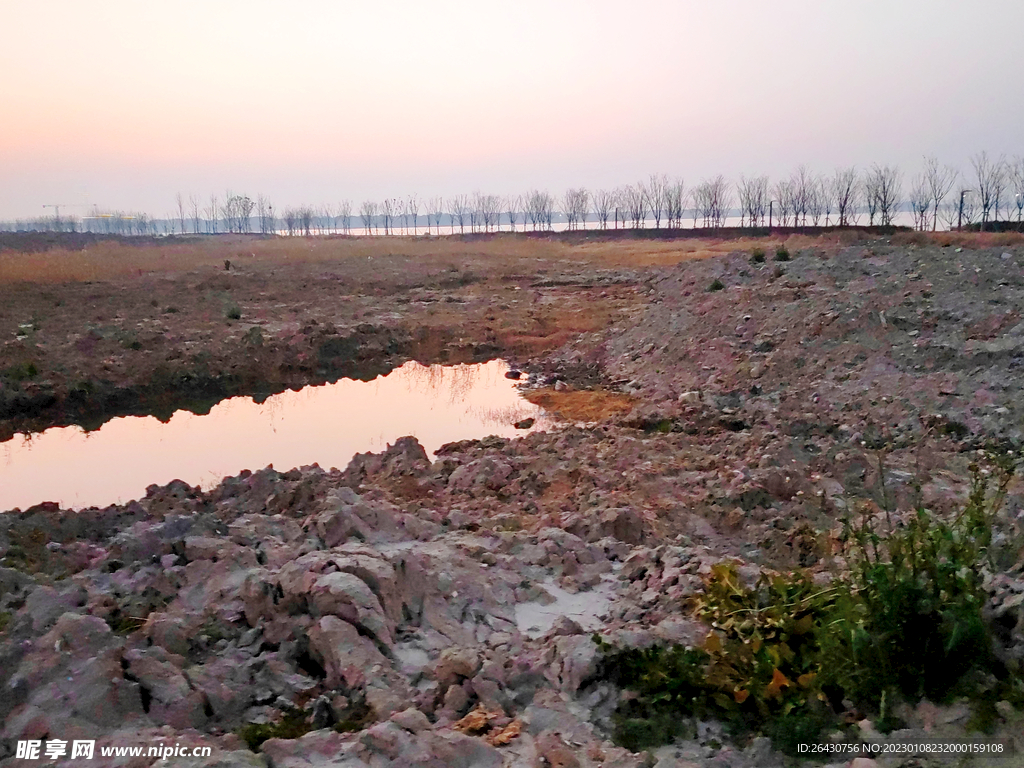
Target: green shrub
757,256
292,725
716,285
781,253
234,313
22,371
784,654
920,594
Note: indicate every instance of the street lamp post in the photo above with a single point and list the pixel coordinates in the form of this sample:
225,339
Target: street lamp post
960,215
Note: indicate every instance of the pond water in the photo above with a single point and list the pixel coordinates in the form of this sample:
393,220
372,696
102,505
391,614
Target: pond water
324,424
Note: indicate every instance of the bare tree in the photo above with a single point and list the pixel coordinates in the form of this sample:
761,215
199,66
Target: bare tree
512,206
889,186
815,201
710,201
703,203
265,213
245,207
180,201
227,211
871,196
193,201
921,201
345,212
675,193
827,192
539,209
846,188
544,208
435,206
999,188
574,206
458,207
582,206
412,205
1017,180
636,204
753,198
306,215
389,209
940,180
800,191
475,211
883,189
655,190
721,200
490,211
368,214
783,197
989,176
211,213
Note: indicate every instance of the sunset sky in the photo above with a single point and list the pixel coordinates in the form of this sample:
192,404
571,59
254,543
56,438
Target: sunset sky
122,104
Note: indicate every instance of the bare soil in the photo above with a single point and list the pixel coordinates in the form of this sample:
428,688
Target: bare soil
729,404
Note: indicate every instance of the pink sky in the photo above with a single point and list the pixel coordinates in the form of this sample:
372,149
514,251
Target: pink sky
122,104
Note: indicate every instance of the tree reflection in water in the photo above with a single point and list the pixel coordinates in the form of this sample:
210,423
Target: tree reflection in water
324,424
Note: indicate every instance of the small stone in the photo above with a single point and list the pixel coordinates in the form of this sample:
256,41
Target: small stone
411,719
565,626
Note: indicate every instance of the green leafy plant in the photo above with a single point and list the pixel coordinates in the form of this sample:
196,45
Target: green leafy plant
716,285
918,583
22,371
292,725
234,312
757,256
782,253
785,653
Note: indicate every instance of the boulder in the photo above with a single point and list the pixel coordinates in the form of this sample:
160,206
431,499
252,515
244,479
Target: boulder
348,659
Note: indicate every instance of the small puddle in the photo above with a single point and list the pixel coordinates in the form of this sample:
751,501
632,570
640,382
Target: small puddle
325,424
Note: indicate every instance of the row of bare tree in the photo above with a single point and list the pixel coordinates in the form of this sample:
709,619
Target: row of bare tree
992,189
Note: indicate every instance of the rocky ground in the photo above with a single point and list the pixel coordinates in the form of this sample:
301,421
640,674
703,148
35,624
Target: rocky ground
407,612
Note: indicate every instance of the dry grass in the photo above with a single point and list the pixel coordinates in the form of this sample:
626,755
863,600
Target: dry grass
641,253
587,405
497,255
109,260
971,240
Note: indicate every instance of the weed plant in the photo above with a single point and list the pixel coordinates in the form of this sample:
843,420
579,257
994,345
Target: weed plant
787,657
782,253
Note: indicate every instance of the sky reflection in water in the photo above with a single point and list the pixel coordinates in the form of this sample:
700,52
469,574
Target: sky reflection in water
319,424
